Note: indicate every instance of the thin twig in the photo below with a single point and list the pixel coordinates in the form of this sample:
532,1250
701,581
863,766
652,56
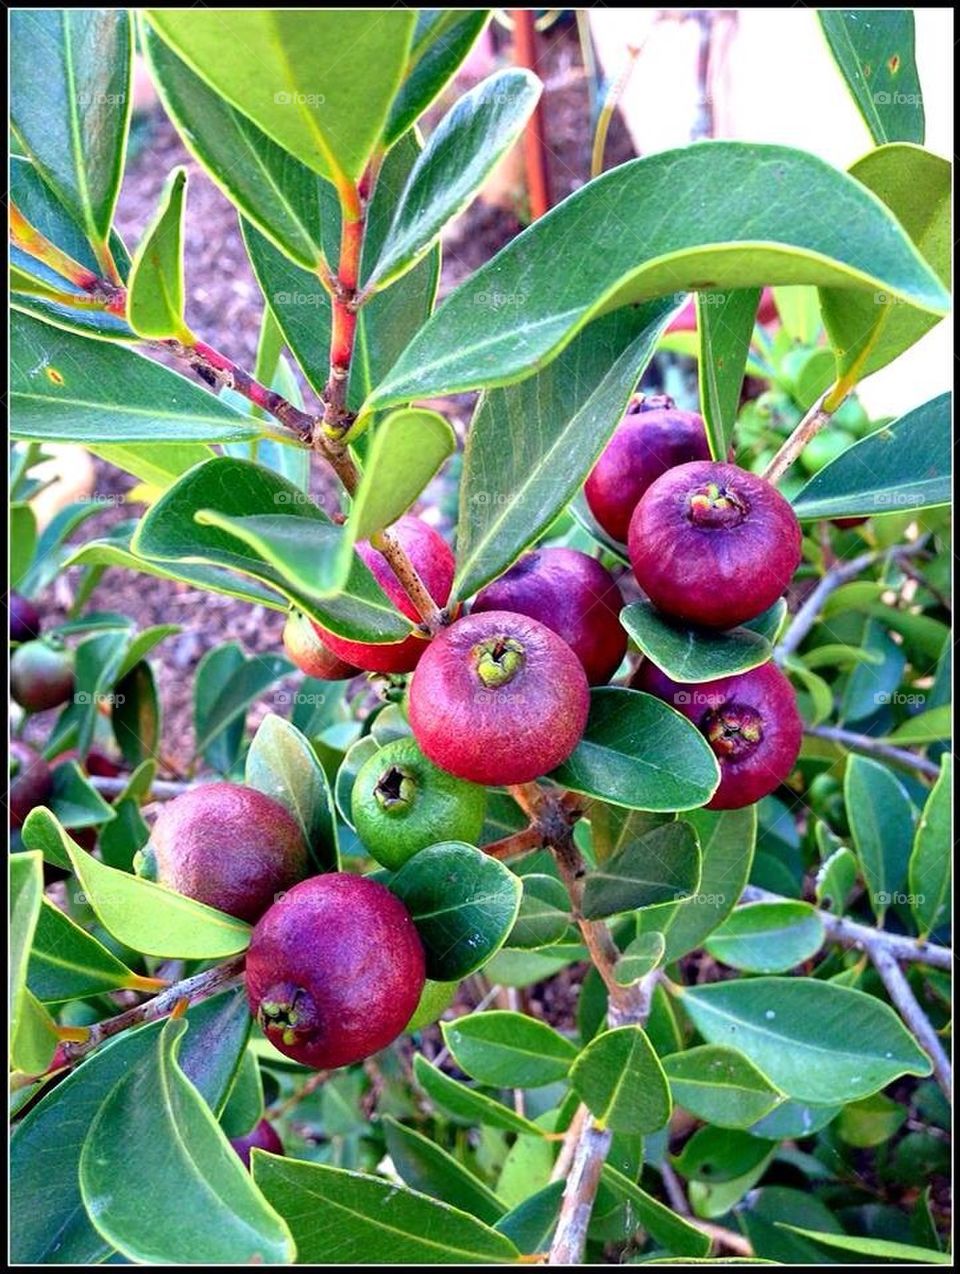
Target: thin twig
160,789
200,987
848,933
873,747
816,418
899,990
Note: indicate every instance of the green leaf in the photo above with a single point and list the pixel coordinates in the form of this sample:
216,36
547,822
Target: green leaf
925,727
69,389
301,307
212,682
282,764
75,801
835,879
881,1249
138,913
870,1122
662,866
70,104
239,489
67,963
135,714
405,452
530,1224
554,289
619,1077
874,49
881,818
928,871
688,654
303,98
431,1170
46,1145
346,1218
661,1223
544,915
183,1160
32,1037
639,958
247,683
508,1050
720,1155
466,1104
155,289
903,466
243,1107
916,186
464,905
725,325
460,154
818,1042
23,541
720,1086
638,752
279,195
531,446
442,39
768,937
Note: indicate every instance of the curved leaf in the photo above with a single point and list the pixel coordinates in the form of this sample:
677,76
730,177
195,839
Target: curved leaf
155,289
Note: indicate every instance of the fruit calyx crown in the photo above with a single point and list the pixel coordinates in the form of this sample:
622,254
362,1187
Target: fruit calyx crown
715,506
733,730
396,790
286,1009
498,660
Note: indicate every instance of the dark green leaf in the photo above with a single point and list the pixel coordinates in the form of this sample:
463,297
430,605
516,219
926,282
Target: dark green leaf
817,1041
882,820
346,1218
69,389
431,1170
725,325
75,801
640,753
544,915
442,39
903,466
720,1086
880,1249
688,654
466,1104
463,903
720,1154
555,289
639,958
662,1223
282,764
135,714
662,866
874,49
928,871
67,963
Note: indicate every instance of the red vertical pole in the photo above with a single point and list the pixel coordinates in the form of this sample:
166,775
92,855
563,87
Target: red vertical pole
534,137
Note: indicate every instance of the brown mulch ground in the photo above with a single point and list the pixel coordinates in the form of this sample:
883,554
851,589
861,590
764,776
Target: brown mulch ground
224,307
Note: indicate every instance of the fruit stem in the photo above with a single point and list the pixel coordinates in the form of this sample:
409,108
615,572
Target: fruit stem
434,617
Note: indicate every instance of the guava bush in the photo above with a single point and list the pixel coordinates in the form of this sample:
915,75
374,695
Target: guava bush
702,1024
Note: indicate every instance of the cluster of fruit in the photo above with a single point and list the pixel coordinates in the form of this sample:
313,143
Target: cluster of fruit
501,695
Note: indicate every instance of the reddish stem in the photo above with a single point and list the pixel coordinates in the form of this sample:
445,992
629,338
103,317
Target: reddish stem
535,133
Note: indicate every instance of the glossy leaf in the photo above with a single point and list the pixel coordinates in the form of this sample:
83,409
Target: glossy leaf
282,197
619,1077
405,452
463,903
300,96
530,1224
663,1224
182,1156
138,913
345,1218
544,915
68,389
282,764
688,654
460,154
882,826
720,1155
508,1050
768,937
658,202
248,682
466,1104
662,866
916,186
32,1040
720,1086
46,1145
725,325
428,1168
928,871
639,958
155,289
442,39
903,466
818,1042
874,49
135,714
238,489
70,104
67,963
75,801
531,446
621,756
